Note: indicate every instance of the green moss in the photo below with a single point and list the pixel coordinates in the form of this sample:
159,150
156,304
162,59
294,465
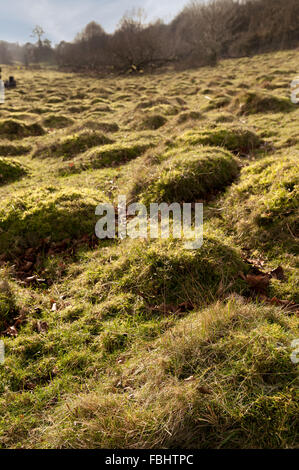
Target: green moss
235,139
71,146
10,171
188,175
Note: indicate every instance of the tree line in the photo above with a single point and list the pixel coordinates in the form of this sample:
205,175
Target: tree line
201,34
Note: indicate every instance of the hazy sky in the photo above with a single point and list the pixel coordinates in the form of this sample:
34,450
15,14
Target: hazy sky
63,19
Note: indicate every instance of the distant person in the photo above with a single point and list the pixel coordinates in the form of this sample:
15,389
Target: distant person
11,83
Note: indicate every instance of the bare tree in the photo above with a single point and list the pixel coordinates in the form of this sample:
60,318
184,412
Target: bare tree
38,33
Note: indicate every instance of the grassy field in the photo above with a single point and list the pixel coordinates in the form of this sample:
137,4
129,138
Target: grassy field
142,343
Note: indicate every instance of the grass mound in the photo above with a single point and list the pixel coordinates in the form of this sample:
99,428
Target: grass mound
235,139
98,126
153,122
30,216
105,156
14,150
8,308
188,175
164,272
263,206
11,129
54,121
212,381
188,116
10,171
258,102
70,146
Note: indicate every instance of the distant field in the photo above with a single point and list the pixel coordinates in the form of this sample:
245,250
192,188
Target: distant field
142,343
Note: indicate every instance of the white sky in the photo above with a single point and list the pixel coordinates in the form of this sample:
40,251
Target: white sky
63,19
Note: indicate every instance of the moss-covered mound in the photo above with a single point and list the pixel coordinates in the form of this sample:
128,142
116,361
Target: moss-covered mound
71,146
54,121
30,216
98,126
14,150
164,272
263,207
258,102
10,171
153,122
188,175
188,116
8,307
237,140
219,378
11,129
105,156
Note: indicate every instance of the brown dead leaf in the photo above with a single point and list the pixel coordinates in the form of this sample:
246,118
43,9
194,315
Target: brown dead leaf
285,304
257,282
204,389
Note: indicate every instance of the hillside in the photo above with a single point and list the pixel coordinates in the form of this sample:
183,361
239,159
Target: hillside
142,343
